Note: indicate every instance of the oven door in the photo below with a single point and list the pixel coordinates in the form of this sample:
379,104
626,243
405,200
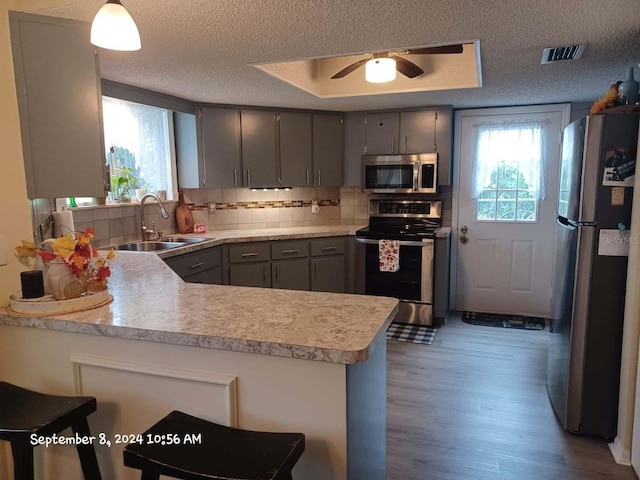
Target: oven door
399,177
412,283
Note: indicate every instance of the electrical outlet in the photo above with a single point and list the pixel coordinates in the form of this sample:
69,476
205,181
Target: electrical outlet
3,251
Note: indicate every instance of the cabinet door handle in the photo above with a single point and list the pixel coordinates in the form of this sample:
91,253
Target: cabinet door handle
329,249
393,144
277,272
317,268
235,177
406,143
319,181
197,265
307,177
253,254
248,177
290,252
264,274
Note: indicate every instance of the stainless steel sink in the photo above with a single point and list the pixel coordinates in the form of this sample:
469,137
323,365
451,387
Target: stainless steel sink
152,246
184,239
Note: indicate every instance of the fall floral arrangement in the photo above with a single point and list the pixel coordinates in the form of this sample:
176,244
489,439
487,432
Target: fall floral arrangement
610,99
76,252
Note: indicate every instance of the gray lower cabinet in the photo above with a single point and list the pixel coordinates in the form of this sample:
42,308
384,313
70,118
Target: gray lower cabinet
60,103
251,274
328,274
259,154
291,274
328,265
213,276
305,264
201,266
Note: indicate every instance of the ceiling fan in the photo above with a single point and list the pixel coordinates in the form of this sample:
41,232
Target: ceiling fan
402,65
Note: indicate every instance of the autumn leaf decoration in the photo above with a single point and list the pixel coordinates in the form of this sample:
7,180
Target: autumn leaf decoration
76,251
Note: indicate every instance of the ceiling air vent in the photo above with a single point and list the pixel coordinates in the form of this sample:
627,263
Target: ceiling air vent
558,54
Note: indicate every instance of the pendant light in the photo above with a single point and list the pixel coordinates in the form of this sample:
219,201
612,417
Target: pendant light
380,70
114,29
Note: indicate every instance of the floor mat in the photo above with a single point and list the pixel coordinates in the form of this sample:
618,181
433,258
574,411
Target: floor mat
404,332
505,321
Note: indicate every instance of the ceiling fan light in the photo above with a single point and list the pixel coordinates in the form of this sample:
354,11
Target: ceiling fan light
380,70
114,29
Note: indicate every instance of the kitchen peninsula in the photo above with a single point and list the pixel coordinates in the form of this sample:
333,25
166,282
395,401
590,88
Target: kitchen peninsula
260,359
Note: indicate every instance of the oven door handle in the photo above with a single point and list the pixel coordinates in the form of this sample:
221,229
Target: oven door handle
403,243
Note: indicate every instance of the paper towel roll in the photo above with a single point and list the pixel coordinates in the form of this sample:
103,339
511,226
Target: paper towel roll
62,223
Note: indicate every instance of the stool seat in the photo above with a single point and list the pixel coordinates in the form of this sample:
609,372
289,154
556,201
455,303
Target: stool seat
24,412
222,453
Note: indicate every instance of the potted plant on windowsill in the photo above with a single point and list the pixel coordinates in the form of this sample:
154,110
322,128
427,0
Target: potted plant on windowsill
122,185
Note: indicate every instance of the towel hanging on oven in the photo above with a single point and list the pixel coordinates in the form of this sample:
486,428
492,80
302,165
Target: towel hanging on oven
389,255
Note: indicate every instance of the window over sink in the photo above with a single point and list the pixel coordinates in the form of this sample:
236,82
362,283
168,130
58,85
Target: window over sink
138,147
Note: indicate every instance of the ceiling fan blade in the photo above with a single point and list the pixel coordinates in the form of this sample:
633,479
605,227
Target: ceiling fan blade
435,50
346,71
406,67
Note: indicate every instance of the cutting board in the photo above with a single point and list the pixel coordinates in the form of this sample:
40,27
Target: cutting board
184,217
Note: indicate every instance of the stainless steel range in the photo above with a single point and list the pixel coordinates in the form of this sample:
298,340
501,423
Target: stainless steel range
413,223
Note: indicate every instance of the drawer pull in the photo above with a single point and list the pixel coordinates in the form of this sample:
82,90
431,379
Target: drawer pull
254,254
329,249
290,252
197,265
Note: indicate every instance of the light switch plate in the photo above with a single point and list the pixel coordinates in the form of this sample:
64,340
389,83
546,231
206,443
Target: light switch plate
3,252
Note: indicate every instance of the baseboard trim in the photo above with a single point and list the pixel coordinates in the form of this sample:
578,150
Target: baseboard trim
621,455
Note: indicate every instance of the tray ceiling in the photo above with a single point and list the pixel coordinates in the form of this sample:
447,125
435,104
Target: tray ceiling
205,50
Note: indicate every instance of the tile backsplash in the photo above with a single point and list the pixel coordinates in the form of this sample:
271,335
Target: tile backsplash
235,209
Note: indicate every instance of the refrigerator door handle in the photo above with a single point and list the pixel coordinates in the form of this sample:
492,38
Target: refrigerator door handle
572,224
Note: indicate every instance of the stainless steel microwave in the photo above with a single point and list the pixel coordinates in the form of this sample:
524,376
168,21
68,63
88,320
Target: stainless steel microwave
416,173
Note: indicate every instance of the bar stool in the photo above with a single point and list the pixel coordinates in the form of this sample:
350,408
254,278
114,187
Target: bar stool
189,448
23,413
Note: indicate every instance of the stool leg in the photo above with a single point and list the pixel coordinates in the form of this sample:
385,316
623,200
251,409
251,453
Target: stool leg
150,476
86,453
22,453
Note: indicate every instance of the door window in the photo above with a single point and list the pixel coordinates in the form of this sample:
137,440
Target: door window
509,172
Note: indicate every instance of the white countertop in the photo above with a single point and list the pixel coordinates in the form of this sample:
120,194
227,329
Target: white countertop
151,303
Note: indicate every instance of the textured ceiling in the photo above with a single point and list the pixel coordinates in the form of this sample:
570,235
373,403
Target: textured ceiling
203,50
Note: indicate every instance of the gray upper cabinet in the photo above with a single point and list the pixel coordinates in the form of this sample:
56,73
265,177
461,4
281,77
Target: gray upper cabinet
59,99
295,149
189,161
259,154
417,131
328,150
421,131
221,147
382,133
355,145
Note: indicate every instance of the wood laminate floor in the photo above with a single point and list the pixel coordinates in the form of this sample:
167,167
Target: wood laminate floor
473,406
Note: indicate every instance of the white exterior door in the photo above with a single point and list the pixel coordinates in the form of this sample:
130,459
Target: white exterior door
506,208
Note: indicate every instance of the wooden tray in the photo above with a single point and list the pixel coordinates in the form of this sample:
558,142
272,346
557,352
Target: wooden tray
27,308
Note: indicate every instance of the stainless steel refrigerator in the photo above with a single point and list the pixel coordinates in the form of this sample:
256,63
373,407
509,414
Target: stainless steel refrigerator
594,215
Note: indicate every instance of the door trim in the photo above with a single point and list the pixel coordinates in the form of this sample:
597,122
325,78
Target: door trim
563,108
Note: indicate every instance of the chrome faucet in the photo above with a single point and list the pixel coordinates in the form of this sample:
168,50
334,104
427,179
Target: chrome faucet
148,232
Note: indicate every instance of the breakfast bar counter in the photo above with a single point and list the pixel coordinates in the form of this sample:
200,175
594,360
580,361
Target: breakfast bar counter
258,359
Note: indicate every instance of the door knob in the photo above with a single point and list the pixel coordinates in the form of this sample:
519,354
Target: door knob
464,239
464,229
